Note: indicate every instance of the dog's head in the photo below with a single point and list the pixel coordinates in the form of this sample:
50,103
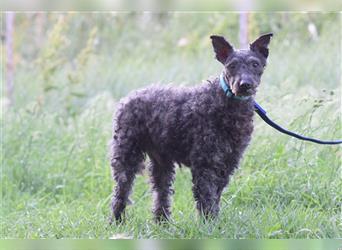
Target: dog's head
242,68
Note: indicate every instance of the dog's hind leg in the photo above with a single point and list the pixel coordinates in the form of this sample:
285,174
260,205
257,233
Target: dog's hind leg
162,176
126,162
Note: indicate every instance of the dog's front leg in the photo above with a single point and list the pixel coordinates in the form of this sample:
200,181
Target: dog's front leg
207,189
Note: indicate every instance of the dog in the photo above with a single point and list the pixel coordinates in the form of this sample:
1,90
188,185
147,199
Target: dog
206,128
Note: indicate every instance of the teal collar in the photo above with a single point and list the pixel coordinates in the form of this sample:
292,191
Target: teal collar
228,92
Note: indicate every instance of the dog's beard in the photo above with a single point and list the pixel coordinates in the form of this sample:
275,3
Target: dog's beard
233,84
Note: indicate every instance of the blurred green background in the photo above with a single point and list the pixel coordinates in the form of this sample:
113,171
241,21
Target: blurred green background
71,69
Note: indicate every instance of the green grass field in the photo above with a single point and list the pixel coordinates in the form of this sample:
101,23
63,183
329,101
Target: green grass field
55,174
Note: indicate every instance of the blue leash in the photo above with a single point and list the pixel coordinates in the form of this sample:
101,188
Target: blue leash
262,113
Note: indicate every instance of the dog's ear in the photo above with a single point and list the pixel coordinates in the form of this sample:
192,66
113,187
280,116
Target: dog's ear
221,47
261,44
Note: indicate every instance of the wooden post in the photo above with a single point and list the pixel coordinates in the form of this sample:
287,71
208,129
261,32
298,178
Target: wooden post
9,56
243,30
244,6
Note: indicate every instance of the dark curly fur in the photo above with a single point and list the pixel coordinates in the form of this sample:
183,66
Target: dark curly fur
199,127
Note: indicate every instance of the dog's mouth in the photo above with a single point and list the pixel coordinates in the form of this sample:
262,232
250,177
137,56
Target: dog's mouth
242,91
247,92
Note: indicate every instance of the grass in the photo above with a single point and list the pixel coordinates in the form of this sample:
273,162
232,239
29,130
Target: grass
55,176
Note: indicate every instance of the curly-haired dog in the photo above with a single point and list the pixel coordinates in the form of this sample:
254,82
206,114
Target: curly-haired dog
206,128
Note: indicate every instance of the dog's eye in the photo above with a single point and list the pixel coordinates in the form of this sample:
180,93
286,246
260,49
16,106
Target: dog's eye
255,64
232,66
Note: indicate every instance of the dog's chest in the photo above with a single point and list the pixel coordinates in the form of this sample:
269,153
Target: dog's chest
237,125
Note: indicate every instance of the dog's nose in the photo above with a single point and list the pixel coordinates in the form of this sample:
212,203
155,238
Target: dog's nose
246,84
